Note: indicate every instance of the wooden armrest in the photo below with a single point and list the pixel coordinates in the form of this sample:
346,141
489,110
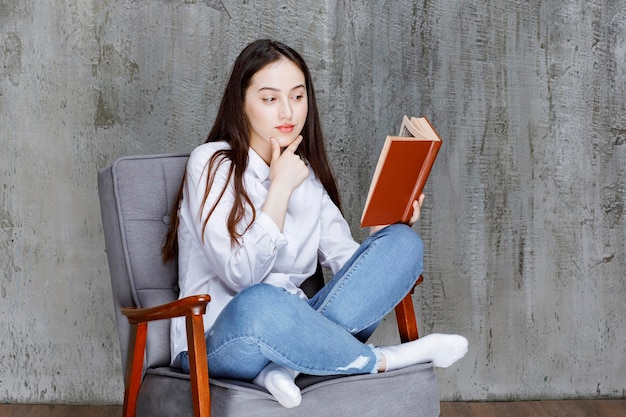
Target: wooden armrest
192,308
194,305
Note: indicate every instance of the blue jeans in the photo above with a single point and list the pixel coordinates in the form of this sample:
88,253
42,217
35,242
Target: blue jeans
324,335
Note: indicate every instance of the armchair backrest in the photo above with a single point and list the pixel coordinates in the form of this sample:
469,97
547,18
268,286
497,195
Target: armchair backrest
136,197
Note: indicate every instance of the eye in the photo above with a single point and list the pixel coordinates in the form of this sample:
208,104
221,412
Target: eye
298,97
268,99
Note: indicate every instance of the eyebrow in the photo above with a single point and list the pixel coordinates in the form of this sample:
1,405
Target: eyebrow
278,89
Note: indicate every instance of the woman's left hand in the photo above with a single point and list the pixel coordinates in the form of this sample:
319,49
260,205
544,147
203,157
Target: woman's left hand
417,205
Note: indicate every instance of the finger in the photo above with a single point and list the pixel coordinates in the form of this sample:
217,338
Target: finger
421,199
416,213
294,145
275,150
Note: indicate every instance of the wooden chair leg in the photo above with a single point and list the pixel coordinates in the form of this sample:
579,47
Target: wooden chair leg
134,368
405,316
198,367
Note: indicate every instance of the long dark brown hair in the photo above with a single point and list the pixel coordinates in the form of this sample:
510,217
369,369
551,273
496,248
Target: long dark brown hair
231,126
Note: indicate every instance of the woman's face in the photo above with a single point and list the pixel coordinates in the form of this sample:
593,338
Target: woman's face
276,106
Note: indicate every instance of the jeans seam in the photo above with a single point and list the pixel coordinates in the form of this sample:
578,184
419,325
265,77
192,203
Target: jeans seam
338,288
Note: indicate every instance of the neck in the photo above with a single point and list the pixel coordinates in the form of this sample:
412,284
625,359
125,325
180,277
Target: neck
264,150
265,154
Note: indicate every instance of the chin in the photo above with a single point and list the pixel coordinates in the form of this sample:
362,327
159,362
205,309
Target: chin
285,141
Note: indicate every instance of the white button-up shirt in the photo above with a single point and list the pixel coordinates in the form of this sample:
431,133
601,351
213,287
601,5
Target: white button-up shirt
314,230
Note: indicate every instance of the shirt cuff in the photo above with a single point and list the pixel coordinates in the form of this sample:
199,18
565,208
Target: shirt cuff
272,230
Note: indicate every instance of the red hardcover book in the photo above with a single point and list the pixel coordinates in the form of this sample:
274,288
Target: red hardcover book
401,173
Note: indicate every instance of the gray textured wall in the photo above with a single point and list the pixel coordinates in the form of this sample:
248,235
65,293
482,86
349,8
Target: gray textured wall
524,218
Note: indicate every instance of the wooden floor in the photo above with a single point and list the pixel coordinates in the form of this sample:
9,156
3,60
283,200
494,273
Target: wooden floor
574,408
13,410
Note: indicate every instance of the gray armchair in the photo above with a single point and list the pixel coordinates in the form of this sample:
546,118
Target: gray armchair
136,196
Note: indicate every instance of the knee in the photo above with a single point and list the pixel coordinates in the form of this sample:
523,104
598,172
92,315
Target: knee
255,303
405,239
405,249
255,296
263,311
261,290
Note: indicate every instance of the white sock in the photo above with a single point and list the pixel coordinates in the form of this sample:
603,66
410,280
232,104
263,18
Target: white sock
280,382
441,349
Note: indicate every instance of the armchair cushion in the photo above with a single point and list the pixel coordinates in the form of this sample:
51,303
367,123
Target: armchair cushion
410,391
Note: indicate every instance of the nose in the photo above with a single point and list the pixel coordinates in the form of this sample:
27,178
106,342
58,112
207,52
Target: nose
285,111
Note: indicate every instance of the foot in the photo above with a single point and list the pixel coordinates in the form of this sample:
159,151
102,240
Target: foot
441,349
280,382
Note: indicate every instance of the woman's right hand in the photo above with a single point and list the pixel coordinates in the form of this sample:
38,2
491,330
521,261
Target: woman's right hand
287,170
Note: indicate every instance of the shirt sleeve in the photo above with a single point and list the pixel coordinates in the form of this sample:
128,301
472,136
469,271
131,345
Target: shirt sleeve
241,265
336,243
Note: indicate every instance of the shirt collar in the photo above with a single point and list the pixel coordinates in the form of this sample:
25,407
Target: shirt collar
258,165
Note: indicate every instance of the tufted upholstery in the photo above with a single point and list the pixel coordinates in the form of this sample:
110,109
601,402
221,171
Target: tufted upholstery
136,194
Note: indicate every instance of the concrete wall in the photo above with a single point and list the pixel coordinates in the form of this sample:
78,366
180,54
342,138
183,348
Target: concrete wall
524,218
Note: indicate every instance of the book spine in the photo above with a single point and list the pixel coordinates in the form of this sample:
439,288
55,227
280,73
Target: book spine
421,180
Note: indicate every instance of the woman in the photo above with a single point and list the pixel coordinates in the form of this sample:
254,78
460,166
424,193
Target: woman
258,209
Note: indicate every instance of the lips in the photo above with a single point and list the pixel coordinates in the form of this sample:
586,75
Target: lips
285,128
